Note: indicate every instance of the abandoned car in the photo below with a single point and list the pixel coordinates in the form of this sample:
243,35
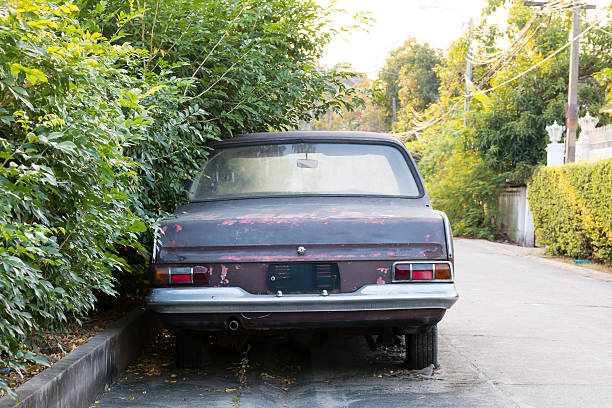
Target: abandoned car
306,231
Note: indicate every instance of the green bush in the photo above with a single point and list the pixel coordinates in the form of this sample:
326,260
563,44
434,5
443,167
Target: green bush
98,135
68,193
572,208
459,181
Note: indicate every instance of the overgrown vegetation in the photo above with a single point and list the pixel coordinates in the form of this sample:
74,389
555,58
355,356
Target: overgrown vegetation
106,109
518,88
572,208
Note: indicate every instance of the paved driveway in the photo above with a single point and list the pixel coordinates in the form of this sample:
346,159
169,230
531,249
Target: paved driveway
525,333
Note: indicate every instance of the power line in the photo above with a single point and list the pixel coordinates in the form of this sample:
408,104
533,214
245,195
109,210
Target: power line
536,65
426,124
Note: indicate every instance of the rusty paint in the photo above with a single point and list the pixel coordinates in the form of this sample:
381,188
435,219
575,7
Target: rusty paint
224,280
374,221
165,228
383,270
380,281
178,228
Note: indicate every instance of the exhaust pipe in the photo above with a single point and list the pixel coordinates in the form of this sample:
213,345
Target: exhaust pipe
233,324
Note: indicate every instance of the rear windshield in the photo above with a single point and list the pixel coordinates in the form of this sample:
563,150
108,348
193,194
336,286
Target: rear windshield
305,168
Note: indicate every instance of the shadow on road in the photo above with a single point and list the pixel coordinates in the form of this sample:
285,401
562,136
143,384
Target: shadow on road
270,371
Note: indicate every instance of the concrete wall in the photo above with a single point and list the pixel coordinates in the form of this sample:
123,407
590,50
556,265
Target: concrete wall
600,144
75,380
515,219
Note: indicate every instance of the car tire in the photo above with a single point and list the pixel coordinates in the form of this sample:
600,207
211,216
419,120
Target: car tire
188,349
422,349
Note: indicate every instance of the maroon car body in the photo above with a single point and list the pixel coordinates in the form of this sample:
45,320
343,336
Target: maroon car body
307,261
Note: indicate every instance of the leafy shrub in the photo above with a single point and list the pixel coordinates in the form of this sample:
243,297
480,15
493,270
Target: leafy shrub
97,136
572,208
68,193
459,182
253,63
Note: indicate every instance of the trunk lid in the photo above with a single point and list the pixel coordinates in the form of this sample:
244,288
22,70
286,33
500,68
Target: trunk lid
329,228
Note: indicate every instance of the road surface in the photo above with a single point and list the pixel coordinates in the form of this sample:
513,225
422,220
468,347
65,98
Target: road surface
526,332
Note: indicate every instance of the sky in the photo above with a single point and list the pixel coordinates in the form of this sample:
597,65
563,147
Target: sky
436,22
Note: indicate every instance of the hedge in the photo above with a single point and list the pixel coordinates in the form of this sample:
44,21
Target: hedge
572,209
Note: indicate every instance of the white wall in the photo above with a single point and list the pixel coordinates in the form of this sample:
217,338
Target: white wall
516,219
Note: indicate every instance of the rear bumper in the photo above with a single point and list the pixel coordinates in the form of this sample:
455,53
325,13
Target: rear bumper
392,304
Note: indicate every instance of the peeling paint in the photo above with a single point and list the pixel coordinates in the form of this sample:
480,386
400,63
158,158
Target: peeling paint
383,270
178,228
375,221
380,281
224,280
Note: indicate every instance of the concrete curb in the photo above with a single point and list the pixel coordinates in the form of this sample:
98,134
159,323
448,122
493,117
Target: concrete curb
78,378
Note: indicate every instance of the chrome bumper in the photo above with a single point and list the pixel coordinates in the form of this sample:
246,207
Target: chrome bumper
236,300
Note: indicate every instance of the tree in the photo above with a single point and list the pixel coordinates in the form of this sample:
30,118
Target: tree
366,117
98,132
409,78
510,128
253,63
465,167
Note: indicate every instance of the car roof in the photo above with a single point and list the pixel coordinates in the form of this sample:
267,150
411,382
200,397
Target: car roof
308,136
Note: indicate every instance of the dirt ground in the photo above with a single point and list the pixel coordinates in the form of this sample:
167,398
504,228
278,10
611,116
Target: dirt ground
54,346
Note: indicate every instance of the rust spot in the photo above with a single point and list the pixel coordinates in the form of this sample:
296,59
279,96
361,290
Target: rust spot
375,221
173,242
228,222
165,228
380,281
224,280
178,228
383,270
427,238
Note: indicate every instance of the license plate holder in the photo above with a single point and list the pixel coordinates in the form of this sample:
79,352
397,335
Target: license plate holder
303,277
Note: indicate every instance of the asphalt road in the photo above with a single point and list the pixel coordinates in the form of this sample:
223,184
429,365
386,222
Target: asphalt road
525,333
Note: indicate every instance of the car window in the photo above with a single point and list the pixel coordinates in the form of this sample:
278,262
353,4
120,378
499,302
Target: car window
305,168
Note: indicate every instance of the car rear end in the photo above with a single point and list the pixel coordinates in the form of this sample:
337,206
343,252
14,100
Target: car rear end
356,260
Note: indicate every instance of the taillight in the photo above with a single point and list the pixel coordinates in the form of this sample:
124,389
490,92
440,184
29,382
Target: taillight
443,271
181,275
402,272
201,275
421,271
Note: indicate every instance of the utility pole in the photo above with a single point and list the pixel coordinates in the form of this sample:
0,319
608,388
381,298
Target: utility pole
394,116
571,112
468,75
